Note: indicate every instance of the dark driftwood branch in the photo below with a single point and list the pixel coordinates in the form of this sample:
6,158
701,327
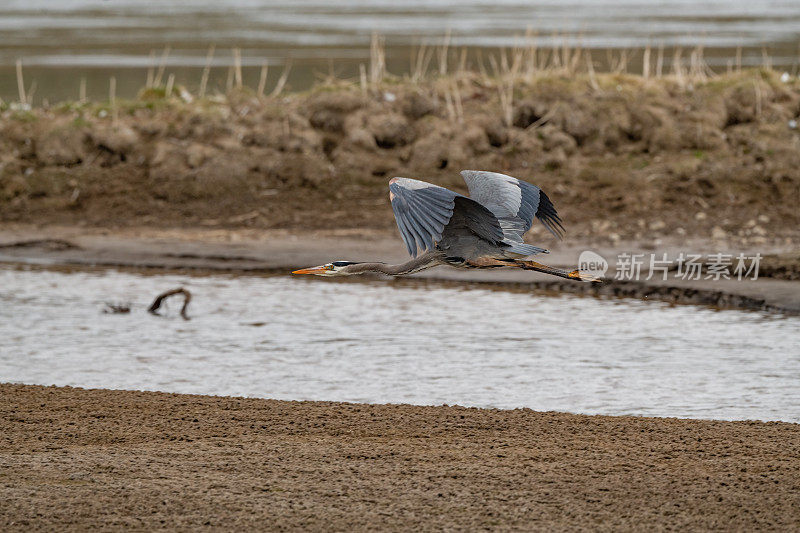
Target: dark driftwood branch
187,297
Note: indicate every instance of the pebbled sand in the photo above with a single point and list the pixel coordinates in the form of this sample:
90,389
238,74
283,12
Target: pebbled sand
80,459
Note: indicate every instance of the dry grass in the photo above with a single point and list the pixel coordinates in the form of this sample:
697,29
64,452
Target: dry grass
524,63
206,71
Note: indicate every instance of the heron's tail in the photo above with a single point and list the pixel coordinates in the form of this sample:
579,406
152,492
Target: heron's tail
568,274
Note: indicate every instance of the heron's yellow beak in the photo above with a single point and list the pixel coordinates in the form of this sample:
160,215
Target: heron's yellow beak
311,270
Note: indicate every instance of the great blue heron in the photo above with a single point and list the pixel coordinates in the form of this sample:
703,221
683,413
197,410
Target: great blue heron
482,231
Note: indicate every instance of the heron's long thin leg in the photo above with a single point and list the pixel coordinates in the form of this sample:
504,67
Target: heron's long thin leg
568,274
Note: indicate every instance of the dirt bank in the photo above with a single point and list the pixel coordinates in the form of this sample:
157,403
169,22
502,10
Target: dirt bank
80,459
621,156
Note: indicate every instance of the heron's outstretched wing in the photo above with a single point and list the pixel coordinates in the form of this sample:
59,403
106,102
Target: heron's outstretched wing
514,202
423,210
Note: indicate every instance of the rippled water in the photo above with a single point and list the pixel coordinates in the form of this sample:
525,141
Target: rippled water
60,41
299,339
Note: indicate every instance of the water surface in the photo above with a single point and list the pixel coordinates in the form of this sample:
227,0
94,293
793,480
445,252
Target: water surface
378,342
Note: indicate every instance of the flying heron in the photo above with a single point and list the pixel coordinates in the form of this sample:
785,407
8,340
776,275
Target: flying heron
484,230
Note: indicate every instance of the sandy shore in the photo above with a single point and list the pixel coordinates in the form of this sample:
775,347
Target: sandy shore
77,459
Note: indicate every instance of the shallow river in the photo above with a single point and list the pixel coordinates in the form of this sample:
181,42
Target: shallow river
62,41
379,341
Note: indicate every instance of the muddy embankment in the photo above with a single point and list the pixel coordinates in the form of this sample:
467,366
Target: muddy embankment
623,157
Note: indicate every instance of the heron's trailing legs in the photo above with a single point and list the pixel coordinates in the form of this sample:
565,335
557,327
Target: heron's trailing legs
568,274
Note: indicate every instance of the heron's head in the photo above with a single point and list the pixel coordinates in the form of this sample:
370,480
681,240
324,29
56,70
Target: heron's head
336,268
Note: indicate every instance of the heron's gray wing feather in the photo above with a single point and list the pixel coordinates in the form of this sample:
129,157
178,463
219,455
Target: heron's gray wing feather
405,233
480,220
424,210
514,202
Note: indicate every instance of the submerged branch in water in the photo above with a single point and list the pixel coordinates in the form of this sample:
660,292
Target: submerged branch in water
187,297
117,309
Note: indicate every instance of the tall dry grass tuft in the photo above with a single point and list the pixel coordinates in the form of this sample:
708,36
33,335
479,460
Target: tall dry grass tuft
481,66
619,65
23,98
229,81
766,60
150,72
237,68
206,71
262,79
31,92
677,67
458,103
170,85
531,54
739,59
162,65
592,76
660,61
112,99
377,60
757,87
462,61
451,92
420,63
570,55
282,80
443,52
449,106
505,76
698,68
362,78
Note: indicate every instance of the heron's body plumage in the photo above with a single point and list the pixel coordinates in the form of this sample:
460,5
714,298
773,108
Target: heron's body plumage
491,221
482,230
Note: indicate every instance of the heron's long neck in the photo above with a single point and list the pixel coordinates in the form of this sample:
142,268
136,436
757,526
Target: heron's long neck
424,261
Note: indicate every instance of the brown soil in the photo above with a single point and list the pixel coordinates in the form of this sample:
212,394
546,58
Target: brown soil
80,459
626,158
